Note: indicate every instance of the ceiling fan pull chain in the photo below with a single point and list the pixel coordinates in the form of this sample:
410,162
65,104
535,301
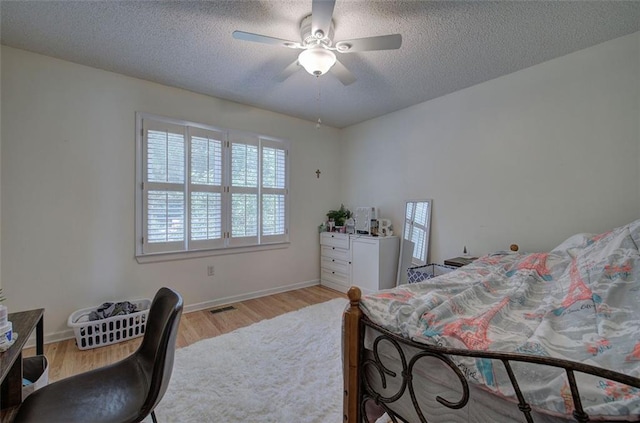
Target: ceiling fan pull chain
318,98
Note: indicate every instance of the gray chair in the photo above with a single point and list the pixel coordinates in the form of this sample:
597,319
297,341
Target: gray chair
123,392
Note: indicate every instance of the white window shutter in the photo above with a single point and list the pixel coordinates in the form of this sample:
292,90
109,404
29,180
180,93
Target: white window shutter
274,217
164,219
244,190
206,189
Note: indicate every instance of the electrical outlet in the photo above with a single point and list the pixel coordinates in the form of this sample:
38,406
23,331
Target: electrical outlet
210,270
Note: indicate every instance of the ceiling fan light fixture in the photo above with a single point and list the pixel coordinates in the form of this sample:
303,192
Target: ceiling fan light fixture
317,61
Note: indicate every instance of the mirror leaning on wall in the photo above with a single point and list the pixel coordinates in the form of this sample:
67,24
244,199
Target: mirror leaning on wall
414,241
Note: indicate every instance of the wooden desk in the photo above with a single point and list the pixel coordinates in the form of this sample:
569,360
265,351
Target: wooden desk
11,360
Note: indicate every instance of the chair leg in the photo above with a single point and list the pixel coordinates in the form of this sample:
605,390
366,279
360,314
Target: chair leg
153,417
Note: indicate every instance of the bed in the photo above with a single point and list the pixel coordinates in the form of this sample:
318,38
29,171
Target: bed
538,337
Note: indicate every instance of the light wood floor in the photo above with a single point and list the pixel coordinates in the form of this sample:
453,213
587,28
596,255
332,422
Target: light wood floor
65,359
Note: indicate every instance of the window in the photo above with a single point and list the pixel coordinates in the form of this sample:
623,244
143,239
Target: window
201,188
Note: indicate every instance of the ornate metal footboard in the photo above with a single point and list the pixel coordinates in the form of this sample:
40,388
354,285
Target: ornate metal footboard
359,368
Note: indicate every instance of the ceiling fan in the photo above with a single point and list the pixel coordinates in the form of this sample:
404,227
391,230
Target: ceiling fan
318,49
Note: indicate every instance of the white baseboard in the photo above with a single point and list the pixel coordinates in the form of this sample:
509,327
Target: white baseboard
69,334
243,297
335,286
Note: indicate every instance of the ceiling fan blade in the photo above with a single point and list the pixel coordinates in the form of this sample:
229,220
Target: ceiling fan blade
343,74
288,71
321,13
256,38
382,42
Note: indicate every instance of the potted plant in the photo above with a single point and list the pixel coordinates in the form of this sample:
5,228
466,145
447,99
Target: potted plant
339,216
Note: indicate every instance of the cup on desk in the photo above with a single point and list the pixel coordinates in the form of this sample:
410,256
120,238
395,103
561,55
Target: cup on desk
6,334
6,328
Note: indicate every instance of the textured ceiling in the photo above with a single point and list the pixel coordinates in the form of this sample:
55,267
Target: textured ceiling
447,46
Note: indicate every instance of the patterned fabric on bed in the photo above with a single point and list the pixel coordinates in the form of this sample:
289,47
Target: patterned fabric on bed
580,302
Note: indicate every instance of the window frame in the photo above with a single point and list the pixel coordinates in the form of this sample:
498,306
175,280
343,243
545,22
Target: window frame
188,248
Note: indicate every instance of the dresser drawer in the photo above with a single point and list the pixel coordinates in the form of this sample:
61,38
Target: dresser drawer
334,276
332,264
334,239
335,253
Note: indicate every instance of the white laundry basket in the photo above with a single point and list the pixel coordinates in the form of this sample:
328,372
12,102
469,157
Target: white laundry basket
99,333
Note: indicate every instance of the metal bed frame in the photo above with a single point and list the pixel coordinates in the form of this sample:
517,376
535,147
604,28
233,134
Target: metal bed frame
358,390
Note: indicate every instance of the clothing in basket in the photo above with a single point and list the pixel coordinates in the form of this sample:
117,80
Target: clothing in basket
113,309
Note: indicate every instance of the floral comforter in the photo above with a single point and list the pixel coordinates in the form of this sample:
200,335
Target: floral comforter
580,302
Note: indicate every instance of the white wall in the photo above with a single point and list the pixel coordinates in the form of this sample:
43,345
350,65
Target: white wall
68,156
528,158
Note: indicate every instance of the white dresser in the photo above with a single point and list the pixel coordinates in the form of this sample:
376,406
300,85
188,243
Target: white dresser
369,262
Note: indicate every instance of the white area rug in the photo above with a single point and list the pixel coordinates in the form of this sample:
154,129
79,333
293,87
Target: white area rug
286,369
